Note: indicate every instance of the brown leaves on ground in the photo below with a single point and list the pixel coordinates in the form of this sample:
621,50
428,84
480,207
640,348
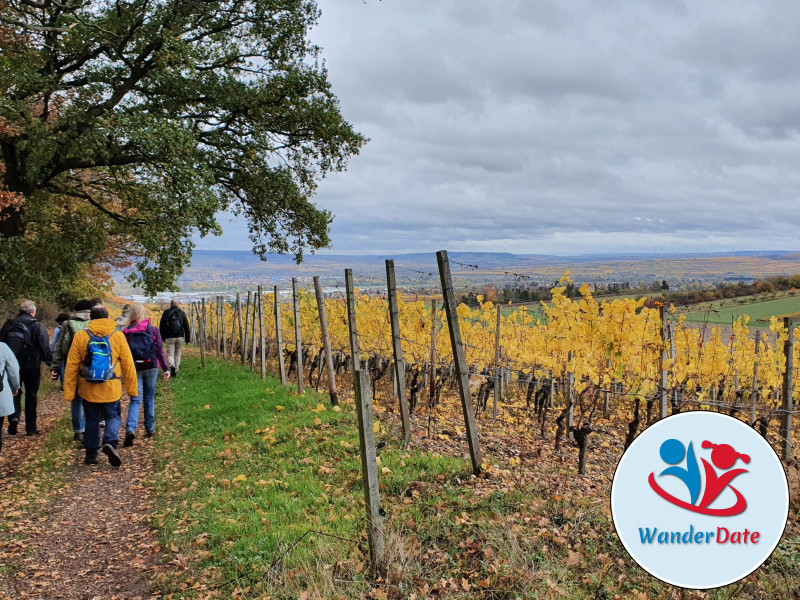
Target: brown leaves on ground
84,535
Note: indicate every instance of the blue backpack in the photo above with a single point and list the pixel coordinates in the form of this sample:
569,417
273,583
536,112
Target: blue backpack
97,365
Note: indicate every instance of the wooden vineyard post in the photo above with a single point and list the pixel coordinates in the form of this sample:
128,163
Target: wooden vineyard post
262,331
253,330
788,392
397,347
298,342
217,337
460,360
607,393
238,325
224,334
552,391
570,395
212,326
351,317
433,355
246,328
662,407
366,438
326,342
675,393
279,336
202,323
497,377
754,393
192,330
206,322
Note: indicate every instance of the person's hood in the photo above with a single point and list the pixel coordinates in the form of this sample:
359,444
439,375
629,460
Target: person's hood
101,327
80,316
141,326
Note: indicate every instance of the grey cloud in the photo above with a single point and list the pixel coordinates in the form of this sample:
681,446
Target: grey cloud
565,127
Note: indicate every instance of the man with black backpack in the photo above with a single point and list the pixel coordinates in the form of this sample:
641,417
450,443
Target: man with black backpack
30,343
174,329
98,358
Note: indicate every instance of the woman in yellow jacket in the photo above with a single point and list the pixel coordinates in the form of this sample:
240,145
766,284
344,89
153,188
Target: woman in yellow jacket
101,393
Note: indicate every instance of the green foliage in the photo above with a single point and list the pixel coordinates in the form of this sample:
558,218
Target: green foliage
156,116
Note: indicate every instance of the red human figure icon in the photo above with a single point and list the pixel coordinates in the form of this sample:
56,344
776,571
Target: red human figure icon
724,457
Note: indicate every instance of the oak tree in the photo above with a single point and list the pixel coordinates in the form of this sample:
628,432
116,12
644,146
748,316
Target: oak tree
125,126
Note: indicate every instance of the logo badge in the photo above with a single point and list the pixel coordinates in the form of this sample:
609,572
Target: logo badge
700,500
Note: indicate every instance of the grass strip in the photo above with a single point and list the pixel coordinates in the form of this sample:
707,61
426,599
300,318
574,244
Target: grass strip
259,488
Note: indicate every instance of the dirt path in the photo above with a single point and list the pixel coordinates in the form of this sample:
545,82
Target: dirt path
87,540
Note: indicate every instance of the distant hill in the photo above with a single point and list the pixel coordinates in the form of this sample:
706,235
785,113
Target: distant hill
224,270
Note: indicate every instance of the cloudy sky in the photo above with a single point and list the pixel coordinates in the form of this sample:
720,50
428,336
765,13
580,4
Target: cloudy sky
536,126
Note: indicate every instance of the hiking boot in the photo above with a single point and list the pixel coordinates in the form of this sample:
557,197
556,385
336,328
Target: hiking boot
172,372
36,431
12,427
113,456
129,437
149,434
77,437
91,460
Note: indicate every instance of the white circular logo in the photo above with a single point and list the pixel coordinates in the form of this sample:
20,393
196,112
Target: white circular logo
700,500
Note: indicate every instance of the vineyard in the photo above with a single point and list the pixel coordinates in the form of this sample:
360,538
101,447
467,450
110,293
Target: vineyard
575,363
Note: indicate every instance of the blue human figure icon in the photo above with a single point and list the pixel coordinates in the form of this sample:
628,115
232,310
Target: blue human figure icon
672,453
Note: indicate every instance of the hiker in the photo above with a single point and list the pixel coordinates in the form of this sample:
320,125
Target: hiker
77,320
30,343
174,328
9,385
99,355
57,331
147,349
123,320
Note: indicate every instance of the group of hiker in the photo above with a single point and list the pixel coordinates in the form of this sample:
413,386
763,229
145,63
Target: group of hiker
93,356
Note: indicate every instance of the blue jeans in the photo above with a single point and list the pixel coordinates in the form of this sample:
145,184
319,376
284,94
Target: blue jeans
147,390
78,420
111,413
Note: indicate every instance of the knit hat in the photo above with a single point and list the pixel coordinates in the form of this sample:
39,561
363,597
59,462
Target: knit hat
83,305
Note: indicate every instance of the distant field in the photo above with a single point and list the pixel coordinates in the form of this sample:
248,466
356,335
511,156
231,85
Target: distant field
759,310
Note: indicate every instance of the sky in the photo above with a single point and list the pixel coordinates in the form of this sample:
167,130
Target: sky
588,126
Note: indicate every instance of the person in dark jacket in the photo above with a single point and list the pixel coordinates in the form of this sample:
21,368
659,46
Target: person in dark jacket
30,343
174,329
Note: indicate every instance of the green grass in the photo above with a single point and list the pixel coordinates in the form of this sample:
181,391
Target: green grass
725,312
251,468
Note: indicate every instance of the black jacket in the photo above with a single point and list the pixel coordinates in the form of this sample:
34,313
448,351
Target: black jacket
39,339
166,328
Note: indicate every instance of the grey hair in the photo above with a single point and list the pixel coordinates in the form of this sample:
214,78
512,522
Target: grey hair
174,302
28,307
